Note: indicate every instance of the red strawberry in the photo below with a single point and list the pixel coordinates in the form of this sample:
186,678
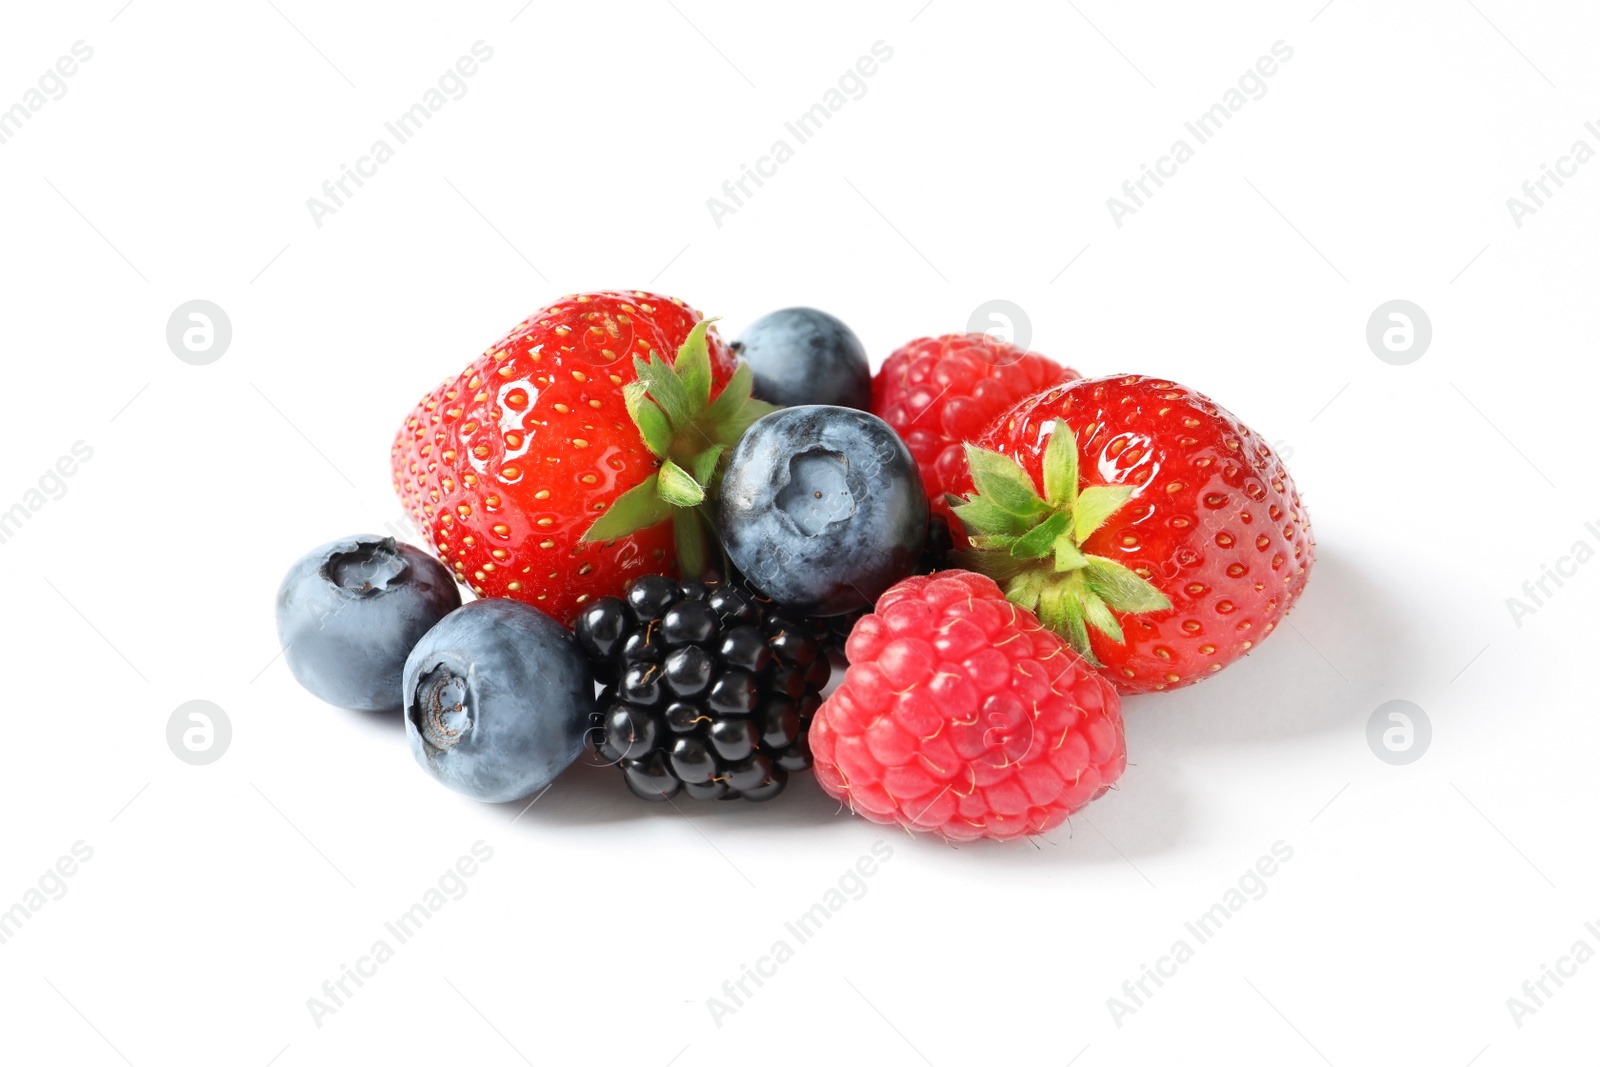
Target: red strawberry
548,469
962,715
939,392
1180,544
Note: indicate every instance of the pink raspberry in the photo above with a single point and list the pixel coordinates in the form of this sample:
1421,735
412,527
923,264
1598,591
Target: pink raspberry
961,715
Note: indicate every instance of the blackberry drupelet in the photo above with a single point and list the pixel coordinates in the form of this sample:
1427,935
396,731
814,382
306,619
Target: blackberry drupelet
709,688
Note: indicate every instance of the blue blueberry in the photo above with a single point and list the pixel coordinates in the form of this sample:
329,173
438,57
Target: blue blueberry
497,700
350,612
806,356
822,508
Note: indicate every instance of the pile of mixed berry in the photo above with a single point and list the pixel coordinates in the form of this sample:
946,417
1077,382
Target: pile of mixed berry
673,541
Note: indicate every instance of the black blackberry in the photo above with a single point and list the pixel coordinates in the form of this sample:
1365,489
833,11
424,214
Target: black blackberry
709,688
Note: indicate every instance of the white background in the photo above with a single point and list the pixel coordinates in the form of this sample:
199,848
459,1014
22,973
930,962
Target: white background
976,166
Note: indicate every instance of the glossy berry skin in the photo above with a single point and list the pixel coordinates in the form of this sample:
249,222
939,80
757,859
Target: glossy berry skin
961,715
1214,523
510,462
938,392
349,612
709,688
804,356
834,630
822,509
497,700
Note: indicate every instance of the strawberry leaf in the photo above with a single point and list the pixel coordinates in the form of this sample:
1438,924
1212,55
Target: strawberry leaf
1063,612
703,464
650,419
1096,504
665,388
1039,541
729,429
636,509
997,565
1025,589
1097,615
1067,556
688,532
693,365
1004,484
981,516
1061,468
733,395
1121,589
677,487
995,542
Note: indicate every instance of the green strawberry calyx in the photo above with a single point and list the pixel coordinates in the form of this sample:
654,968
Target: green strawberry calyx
1030,544
689,434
